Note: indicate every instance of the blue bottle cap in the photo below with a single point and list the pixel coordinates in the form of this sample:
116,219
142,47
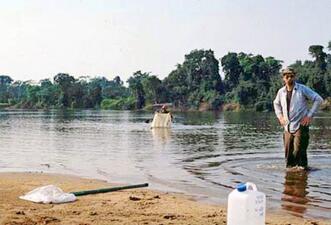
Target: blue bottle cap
241,187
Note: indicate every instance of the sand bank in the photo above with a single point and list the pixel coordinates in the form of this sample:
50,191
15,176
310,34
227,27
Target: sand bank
135,206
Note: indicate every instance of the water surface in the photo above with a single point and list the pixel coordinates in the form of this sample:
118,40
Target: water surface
204,154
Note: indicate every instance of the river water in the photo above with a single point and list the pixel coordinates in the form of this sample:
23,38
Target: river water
203,155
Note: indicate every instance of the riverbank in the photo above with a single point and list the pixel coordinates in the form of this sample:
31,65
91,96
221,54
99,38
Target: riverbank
135,206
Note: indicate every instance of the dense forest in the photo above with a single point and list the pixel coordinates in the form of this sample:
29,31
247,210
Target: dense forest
250,82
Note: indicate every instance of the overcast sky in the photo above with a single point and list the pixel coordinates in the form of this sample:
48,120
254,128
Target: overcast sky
40,38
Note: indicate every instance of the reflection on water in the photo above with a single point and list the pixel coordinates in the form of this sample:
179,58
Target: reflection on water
203,154
161,134
294,195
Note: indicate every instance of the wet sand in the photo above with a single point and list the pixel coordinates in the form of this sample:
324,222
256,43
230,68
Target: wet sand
134,206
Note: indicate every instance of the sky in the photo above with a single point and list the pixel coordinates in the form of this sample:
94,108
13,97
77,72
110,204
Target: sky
41,38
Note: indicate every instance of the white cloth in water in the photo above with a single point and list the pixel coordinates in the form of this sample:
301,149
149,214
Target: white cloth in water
161,120
49,194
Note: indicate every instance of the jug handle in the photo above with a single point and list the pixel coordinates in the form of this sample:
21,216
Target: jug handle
251,186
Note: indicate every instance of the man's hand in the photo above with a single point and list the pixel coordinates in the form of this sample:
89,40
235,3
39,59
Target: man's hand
282,120
306,121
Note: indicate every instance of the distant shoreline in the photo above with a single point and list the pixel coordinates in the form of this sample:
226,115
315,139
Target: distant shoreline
229,107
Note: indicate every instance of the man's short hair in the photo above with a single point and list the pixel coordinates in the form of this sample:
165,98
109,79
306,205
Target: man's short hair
288,70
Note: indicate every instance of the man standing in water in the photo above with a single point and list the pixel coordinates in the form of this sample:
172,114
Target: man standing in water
295,116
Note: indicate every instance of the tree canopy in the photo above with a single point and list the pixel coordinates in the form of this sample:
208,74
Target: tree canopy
250,81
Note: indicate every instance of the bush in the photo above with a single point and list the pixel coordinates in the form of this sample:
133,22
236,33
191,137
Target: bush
129,103
118,104
109,104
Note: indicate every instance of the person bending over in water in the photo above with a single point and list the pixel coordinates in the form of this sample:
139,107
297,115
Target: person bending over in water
295,116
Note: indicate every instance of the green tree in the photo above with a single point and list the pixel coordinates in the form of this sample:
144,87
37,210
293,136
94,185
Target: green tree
177,86
319,55
190,84
246,93
66,83
48,93
318,74
152,86
112,89
136,88
232,70
95,94
249,79
18,90
5,82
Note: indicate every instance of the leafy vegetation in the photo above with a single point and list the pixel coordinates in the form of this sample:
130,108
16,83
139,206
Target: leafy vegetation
250,82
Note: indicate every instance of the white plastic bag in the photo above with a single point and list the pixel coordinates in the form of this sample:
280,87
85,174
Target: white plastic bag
48,194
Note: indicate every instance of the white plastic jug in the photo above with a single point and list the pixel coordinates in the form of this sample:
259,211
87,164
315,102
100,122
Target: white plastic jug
246,206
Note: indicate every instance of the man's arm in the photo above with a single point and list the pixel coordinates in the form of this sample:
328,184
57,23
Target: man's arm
278,109
317,100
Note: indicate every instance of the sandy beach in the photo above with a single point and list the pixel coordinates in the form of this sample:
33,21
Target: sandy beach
135,206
